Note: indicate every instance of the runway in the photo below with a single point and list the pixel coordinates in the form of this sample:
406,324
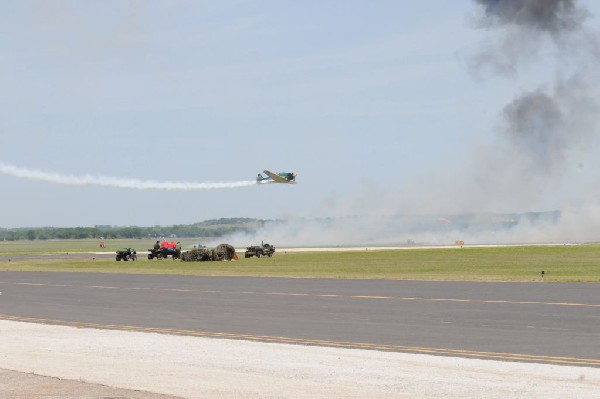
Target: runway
532,322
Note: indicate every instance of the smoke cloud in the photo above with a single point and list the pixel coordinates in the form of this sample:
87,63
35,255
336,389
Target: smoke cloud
524,27
542,128
552,16
539,131
542,125
533,123
107,181
406,230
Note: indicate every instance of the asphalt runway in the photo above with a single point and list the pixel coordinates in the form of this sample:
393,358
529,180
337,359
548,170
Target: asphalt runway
537,322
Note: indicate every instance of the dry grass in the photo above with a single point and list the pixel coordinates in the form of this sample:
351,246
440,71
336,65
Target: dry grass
560,263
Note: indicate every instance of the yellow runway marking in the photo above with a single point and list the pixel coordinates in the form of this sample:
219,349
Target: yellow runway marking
561,360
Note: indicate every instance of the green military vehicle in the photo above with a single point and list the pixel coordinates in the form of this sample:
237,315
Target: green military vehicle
259,250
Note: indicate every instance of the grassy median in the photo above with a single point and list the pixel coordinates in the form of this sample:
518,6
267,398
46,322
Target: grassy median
518,263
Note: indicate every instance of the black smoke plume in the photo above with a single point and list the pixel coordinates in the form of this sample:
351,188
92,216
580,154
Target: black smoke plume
534,122
541,125
523,28
552,16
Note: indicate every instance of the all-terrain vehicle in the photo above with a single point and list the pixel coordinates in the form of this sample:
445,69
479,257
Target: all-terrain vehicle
163,253
259,250
126,254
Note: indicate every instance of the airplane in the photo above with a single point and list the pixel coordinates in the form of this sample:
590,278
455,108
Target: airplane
283,177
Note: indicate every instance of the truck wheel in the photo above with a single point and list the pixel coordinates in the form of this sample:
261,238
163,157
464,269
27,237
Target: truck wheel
127,257
118,259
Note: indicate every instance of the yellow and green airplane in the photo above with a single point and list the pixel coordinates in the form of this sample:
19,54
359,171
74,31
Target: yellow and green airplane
283,177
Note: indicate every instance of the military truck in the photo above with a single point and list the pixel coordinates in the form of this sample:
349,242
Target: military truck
126,254
259,250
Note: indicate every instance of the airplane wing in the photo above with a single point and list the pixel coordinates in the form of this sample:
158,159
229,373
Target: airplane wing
276,178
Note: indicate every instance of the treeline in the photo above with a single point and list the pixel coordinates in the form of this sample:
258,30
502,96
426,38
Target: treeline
208,228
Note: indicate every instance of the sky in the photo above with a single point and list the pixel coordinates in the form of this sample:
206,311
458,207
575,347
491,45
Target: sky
381,108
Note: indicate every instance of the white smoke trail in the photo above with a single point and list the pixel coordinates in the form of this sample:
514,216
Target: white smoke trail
107,181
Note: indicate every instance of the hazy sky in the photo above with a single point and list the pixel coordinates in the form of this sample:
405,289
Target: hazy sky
381,107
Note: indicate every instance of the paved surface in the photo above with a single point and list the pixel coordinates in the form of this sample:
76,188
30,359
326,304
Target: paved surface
541,321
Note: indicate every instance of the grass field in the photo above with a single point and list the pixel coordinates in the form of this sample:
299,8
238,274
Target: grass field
519,263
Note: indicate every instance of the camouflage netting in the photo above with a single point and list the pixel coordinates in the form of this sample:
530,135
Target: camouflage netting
220,252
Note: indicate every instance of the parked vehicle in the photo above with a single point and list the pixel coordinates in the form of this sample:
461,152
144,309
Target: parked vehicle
126,254
259,250
164,253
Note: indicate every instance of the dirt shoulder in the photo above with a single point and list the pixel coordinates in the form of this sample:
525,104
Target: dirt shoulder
197,367
31,386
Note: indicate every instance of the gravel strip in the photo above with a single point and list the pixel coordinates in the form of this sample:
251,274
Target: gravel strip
194,367
31,386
